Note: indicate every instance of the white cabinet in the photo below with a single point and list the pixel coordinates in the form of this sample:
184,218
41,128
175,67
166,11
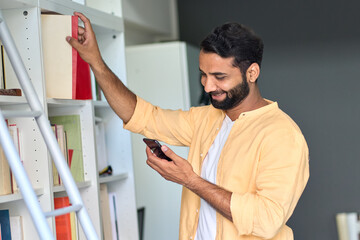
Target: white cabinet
24,22
149,21
161,74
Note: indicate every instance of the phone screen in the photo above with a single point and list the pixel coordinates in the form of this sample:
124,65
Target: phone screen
155,147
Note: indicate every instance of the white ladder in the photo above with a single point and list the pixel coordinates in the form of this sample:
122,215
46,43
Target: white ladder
37,112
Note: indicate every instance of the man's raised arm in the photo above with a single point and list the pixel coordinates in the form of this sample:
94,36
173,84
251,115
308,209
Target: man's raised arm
120,98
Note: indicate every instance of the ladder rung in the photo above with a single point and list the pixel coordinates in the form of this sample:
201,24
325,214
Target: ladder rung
14,114
62,211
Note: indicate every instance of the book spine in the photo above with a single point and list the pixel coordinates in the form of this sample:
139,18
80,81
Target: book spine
74,34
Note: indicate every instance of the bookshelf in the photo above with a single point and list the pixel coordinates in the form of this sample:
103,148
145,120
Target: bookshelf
23,18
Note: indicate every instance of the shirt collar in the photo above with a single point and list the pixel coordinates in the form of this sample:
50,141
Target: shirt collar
259,111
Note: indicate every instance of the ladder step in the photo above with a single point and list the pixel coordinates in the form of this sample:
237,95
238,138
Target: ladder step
15,114
62,211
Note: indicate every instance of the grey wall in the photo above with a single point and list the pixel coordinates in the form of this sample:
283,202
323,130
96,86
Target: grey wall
311,67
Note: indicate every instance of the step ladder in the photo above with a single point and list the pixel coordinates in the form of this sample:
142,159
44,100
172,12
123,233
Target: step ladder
37,112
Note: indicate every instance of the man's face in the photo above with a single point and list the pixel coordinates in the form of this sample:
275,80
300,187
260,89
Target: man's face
222,81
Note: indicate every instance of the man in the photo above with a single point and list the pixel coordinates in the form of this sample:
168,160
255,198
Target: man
248,161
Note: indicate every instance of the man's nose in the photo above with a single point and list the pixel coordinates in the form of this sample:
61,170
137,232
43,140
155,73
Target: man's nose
209,85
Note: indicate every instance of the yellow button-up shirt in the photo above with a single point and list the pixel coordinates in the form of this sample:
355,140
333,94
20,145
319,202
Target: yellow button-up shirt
264,163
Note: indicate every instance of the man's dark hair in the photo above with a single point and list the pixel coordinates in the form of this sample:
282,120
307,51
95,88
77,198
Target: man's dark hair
235,40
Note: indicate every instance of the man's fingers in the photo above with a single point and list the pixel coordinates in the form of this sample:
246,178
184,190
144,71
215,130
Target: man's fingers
85,20
81,30
73,42
168,152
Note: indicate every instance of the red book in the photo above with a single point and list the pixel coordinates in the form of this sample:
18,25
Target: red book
70,153
62,222
81,70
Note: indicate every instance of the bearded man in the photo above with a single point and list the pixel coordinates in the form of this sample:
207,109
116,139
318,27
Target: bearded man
248,161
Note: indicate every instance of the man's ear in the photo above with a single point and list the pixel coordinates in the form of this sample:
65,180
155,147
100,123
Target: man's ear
253,72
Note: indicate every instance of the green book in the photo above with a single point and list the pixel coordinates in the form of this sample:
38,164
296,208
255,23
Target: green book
72,128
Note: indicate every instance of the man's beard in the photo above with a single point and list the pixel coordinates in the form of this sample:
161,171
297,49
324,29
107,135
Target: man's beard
233,97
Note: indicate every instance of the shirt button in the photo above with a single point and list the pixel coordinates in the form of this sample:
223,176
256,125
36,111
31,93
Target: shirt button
197,210
201,154
190,237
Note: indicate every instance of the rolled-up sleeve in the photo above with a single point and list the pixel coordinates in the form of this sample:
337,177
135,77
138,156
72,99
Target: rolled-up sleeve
171,126
282,174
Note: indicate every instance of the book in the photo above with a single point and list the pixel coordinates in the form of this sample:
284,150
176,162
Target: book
113,215
16,227
74,226
10,80
105,212
72,127
348,226
11,92
2,82
60,135
15,134
5,176
5,224
101,151
62,222
67,76
55,173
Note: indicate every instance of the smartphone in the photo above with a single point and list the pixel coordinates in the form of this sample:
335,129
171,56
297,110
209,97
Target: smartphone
155,147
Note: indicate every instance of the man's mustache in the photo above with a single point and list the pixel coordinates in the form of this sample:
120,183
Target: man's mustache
216,92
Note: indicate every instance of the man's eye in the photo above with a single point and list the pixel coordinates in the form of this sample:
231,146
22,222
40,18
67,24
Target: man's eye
220,77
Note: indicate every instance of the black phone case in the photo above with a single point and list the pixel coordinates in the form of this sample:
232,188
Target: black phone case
155,147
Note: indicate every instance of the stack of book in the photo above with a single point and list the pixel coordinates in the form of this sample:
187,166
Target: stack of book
67,76
66,225
109,213
67,129
11,226
8,184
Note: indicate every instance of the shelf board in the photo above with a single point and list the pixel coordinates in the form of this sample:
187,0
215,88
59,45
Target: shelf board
18,196
107,22
12,100
61,188
113,178
57,103
101,104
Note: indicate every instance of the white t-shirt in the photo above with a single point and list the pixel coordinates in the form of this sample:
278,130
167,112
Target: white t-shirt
206,229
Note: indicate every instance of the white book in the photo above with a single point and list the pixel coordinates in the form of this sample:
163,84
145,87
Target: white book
16,228
15,134
101,151
57,60
105,212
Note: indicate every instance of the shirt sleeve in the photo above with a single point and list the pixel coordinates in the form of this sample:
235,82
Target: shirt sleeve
282,174
171,126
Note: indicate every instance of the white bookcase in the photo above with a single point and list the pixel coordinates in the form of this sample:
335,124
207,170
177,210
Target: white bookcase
24,21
